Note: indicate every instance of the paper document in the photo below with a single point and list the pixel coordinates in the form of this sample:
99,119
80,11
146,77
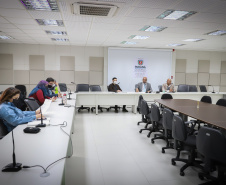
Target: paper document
36,122
46,106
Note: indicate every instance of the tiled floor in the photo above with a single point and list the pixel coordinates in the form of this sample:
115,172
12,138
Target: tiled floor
109,150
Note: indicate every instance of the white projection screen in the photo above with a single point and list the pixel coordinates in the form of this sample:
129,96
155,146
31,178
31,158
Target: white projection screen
123,63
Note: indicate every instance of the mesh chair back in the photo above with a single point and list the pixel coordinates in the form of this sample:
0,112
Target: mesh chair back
63,87
212,144
203,88
179,131
183,88
155,113
221,102
94,88
144,109
3,129
22,89
166,96
193,88
82,87
206,99
32,104
167,118
139,101
160,88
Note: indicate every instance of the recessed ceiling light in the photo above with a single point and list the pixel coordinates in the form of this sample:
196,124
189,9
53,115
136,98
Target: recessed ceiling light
176,14
174,45
128,42
4,37
49,5
217,33
138,37
48,22
56,32
193,40
153,28
60,39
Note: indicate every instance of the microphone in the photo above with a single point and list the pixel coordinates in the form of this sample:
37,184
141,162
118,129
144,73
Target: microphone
69,95
213,88
73,83
41,125
118,83
69,92
12,167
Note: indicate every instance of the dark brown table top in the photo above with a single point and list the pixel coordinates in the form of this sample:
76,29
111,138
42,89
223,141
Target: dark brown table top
207,113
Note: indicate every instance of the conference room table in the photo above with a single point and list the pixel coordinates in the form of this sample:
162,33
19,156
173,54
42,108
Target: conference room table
43,148
93,99
207,113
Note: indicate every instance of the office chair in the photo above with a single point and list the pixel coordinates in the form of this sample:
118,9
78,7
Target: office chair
19,103
96,88
167,125
32,104
22,89
192,88
82,88
211,143
166,96
203,88
183,88
160,88
146,112
184,141
63,87
143,119
221,102
3,129
206,99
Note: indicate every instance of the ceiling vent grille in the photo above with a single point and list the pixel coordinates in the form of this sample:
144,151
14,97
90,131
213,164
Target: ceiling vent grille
94,9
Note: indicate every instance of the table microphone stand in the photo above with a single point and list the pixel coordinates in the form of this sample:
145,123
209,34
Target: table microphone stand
62,103
41,125
12,167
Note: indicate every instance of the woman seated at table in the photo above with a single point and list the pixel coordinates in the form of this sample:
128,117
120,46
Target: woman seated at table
40,92
10,114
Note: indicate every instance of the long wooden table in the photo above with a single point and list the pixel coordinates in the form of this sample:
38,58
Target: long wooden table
207,113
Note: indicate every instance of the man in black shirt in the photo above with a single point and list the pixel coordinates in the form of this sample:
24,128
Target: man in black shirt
114,87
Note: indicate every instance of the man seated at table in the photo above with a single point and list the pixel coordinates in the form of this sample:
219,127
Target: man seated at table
143,86
168,86
114,87
51,86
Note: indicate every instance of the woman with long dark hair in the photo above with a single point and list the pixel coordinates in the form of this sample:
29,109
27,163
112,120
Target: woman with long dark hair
40,92
10,114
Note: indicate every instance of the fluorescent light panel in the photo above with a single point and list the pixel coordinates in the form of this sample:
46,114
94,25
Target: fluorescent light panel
49,22
193,40
176,14
4,37
46,5
60,39
217,33
56,32
128,42
153,28
138,37
174,45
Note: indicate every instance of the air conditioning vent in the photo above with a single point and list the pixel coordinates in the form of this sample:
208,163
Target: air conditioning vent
94,9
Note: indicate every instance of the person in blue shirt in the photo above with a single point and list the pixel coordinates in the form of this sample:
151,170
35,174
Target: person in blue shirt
10,114
51,87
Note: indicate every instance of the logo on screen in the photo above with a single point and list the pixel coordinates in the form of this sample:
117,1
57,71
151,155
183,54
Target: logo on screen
140,62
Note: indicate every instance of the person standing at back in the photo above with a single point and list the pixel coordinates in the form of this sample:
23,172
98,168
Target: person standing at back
144,86
114,87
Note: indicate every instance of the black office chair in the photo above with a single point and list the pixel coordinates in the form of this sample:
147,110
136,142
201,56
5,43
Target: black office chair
63,87
203,88
96,88
166,96
146,113
22,89
183,88
206,99
160,88
82,88
192,88
211,143
3,129
143,119
19,103
32,104
221,102
167,125
183,140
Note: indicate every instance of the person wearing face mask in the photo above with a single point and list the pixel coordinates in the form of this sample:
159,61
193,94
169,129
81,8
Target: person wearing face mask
114,87
40,92
144,86
10,114
51,86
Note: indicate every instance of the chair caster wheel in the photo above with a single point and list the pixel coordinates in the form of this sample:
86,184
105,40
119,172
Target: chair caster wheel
163,151
152,141
140,131
173,163
201,176
92,110
181,173
108,109
138,123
